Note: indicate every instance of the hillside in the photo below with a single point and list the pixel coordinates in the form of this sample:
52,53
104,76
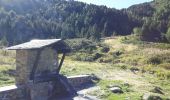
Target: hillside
155,19
22,21
137,67
128,48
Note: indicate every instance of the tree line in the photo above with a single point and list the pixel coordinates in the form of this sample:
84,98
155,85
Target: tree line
155,17
25,20
61,19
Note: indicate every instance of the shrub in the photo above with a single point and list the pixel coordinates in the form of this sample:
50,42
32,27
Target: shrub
97,56
137,31
86,56
105,60
168,75
165,65
105,49
116,53
122,66
4,53
4,42
161,74
168,35
148,68
154,60
81,43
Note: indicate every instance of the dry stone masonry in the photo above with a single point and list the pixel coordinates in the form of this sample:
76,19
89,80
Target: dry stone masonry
37,72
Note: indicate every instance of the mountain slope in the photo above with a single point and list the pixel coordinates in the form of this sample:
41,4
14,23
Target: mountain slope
21,21
155,17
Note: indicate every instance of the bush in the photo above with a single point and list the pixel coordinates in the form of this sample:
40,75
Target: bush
148,68
122,66
82,57
4,53
168,75
105,60
97,56
87,57
4,42
165,65
168,35
89,48
105,49
137,31
161,74
154,60
81,43
118,53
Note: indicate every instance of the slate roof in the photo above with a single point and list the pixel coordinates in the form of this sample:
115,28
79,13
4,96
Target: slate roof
57,44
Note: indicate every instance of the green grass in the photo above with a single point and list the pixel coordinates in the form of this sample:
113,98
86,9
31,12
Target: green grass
7,63
128,92
152,60
111,61
111,74
5,78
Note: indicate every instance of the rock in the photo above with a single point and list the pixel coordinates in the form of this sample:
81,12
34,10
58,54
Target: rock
151,97
151,72
94,77
157,90
116,90
134,70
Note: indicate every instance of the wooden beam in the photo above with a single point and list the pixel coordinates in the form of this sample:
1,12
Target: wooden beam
61,62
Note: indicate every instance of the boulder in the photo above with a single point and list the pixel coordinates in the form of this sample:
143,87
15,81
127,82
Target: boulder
116,90
157,90
134,70
151,97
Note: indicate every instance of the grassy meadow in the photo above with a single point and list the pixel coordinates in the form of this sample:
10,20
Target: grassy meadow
136,66
7,67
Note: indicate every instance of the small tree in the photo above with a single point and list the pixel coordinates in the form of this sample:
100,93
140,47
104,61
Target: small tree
168,35
137,31
4,41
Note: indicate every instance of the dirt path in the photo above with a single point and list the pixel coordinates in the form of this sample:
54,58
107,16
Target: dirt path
109,72
139,83
127,77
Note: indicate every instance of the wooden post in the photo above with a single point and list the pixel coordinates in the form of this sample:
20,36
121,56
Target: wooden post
61,62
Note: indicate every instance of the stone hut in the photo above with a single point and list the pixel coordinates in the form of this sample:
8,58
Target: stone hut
37,58
38,73
38,67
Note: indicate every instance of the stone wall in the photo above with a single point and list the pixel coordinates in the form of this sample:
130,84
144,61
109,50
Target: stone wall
41,91
22,73
12,93
25,59
38,91
79,80
48,61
